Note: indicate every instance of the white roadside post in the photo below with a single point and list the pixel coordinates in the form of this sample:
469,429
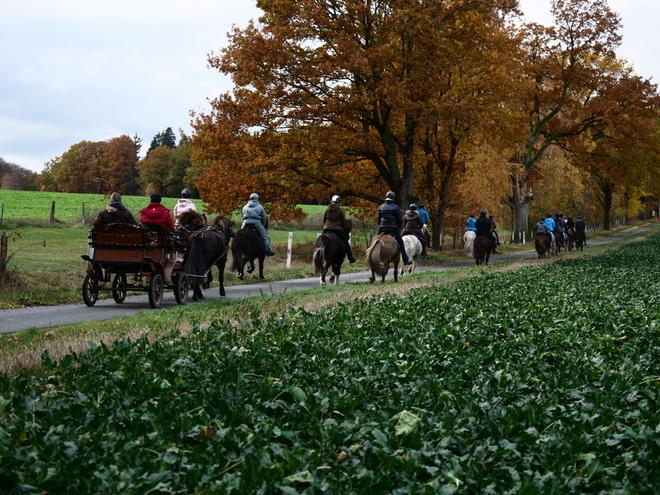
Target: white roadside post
288,250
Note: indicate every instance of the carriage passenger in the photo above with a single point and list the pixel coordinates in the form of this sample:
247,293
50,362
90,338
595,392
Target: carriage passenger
389,220
155,213
334,222
115,212
182,206
254,216
413,224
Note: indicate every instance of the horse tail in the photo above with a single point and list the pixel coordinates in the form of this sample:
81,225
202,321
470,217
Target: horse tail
238,252
319,256
373,257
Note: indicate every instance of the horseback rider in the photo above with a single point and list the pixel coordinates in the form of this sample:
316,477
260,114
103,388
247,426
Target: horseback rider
581,229
413,224
182,206
254,216
426,219
570,223
471,223
493,227
483,227
334,221
560,231
542,228
389,220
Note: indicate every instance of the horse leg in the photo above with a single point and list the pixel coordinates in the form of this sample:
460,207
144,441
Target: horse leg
396,270
250,267
221,278
261,266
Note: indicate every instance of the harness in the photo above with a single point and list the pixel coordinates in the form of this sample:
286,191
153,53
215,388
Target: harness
211,228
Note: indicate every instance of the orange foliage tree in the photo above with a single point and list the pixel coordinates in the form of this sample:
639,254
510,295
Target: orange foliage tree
353,98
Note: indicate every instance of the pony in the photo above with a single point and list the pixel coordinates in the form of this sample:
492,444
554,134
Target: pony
383,251
579,239
413,248
542,245
205,248
189,222
247,247
329,251
482,248
468,242
570,234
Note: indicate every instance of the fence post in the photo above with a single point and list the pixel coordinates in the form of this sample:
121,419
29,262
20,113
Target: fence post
83,213
2,213
288,250
52,213
3,251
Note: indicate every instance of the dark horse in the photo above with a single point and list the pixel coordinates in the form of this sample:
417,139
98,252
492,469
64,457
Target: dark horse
570,233
330,251
543,245
247,247
580,237
205,248
482,248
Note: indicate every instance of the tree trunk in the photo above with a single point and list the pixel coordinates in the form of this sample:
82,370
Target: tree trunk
520,203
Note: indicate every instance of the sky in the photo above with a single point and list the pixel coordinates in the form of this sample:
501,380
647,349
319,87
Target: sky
74,70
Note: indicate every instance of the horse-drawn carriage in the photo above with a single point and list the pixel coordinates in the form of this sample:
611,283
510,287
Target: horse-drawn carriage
123,257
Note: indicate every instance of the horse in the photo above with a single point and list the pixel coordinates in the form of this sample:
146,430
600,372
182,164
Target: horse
580,237
383,251
247,247
189,222
329,251
570,233
413,249
204,248
468,241
542,245
482,248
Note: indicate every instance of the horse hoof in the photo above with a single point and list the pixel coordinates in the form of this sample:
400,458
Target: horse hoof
249,269
332,279
239,275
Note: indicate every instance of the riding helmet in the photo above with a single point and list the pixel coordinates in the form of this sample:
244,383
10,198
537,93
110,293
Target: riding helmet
335,199
254,196
390,195
483,212
186,193
413,206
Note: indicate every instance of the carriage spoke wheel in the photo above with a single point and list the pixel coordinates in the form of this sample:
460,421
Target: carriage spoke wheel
119,288
90,289
181,289
156,290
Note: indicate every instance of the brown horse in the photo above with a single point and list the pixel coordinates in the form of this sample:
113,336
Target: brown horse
570,234
383,251
482,248
205,248
330,251
542,245
247,247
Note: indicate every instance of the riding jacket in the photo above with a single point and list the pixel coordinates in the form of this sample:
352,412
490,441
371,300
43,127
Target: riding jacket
483,226
389,214
424,214
182,206
157,213
541,228
334,217
471,224
550,223
253,212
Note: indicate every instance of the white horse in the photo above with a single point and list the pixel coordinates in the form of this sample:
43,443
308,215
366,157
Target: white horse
468,241
413,250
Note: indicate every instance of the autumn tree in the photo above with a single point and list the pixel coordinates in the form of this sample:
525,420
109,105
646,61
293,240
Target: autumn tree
338,96
565,63
15,177
153,168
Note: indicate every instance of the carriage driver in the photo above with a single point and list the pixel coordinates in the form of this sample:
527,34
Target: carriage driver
389,220
334,221
254,216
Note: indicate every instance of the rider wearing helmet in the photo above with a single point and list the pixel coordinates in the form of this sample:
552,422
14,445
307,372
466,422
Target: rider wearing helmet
471,223
389,220
182,206
334,222
426,219
413,225
254,216
484,228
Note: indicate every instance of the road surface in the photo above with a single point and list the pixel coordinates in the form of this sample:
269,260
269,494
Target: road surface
15,320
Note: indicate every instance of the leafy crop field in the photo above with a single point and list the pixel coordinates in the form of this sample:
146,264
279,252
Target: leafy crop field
543,380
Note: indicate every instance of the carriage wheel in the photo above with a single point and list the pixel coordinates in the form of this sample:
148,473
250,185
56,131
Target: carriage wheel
90,289
156,290
119,288
181,289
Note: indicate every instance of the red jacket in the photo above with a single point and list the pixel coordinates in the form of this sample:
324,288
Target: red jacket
157,213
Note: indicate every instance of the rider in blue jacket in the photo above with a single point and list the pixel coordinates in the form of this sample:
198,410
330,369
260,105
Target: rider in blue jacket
550,222
471,223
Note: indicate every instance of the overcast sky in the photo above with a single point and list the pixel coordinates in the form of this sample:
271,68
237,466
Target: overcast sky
75,70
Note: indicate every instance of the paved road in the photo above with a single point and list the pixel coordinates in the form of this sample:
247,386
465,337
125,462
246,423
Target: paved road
14,320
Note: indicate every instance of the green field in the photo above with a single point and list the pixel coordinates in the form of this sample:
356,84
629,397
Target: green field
540,380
